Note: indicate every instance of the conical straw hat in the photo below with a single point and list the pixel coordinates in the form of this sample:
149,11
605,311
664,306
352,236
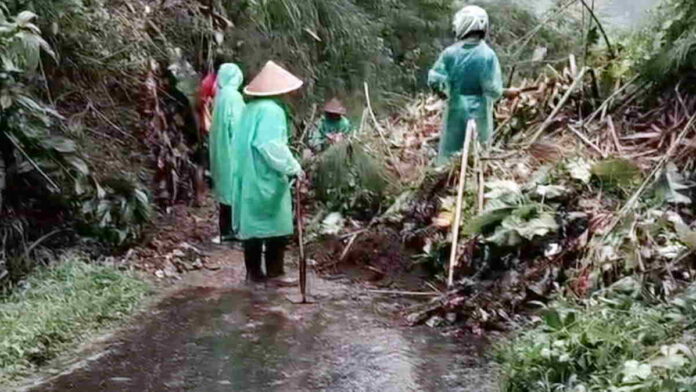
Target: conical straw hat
272,80
335,106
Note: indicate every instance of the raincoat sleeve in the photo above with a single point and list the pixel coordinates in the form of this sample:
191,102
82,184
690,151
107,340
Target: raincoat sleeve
346,126
272,143
492,79
437,77
316,137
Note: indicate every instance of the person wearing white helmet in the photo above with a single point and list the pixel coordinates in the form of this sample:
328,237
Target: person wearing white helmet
468,74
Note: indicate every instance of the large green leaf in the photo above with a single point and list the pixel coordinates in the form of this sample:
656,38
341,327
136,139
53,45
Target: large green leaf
486,222
60,144
78,164
616,172
670,185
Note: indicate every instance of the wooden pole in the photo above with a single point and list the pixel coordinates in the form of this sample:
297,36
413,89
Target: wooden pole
480,168
300,232
470,134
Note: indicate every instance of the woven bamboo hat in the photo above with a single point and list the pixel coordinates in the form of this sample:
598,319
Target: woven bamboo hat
273,80
335,106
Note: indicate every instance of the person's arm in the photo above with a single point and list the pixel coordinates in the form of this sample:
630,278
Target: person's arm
272,143
346,126
438,77
492,79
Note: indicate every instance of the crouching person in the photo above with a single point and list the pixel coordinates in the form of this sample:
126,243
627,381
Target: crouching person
263,168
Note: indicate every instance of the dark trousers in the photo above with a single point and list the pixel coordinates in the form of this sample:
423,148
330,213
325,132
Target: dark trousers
274,256
225,220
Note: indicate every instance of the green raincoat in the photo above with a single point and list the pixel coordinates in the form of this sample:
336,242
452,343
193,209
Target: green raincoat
262,202
469,73
227,113
327,126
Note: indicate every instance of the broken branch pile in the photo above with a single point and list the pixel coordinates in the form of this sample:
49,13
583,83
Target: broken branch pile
579,192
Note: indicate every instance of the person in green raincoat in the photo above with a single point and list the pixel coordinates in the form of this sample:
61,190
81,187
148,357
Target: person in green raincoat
333,126
468,74
262,202
227,112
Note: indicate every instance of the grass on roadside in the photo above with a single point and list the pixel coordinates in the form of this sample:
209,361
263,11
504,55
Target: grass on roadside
57,307
617,342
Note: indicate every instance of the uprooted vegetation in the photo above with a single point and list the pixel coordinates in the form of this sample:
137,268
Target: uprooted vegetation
575,194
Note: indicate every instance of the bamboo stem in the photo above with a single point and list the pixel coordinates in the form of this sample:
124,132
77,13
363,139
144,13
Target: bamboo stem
470,134
380,130
480,166
300,233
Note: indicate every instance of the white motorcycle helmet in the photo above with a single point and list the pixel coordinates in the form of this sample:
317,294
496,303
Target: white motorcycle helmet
468,19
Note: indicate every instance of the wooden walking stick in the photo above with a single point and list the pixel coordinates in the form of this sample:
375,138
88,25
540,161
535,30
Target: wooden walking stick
303,257
470,134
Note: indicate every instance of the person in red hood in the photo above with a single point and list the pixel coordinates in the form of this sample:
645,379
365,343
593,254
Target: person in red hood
204,117
206,95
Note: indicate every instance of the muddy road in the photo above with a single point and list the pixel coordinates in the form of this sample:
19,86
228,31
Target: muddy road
215,334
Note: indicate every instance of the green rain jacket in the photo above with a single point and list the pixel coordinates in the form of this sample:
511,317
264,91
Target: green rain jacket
227,113
262,203
469,73
327,126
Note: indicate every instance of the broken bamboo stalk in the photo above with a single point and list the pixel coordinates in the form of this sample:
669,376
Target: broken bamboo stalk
348,246
607,101
480,167
561,104
470,134
587,141
654,174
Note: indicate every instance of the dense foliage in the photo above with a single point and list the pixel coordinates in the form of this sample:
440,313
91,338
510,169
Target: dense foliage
665,51
58,308
618,341
44,180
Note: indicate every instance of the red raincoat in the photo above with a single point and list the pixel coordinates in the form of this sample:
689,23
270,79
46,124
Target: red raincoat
206,94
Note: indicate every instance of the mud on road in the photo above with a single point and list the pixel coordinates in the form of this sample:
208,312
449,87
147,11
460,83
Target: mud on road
213,333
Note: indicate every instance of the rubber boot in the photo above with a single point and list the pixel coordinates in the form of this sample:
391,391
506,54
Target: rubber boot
275,262
226,232
253,253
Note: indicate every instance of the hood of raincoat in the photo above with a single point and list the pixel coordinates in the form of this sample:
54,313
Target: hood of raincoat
230,75
228,108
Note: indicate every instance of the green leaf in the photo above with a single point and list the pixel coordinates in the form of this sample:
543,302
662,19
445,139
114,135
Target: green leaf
617,172
25,17
79,187
541,226
672,357
60,144
485,222
5,101
499,188
142,198
580,169
552,319
634,371
670,184
78,164
100,191
551,191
